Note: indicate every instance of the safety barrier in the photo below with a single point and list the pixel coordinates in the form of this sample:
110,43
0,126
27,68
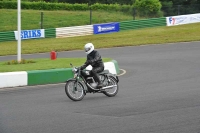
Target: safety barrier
109,27
50,33
74,31
11,35
51,76
91,29
145,23
183,19
7,36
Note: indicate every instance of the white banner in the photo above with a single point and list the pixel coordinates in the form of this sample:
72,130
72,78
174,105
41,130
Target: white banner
183,19
30,34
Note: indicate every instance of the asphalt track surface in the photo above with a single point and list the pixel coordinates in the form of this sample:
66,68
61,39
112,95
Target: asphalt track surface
160,93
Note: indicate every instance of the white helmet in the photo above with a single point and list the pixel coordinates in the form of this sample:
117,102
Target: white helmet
89,47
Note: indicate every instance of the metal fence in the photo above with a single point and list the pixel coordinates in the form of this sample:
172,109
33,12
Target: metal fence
180,10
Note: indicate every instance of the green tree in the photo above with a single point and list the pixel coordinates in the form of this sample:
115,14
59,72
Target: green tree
150,8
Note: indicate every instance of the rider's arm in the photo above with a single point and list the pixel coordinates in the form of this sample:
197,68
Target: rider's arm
85,65
96,58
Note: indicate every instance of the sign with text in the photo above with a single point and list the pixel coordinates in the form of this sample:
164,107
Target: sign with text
183,19
106,28
30,34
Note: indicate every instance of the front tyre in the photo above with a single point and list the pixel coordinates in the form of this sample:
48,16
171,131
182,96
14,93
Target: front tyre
114,90
75,94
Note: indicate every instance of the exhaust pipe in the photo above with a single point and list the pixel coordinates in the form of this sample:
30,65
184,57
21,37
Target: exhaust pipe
108,87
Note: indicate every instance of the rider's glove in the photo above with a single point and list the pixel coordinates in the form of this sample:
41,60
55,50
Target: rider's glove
81,67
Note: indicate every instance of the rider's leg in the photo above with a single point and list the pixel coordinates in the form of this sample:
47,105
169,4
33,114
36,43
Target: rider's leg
94,73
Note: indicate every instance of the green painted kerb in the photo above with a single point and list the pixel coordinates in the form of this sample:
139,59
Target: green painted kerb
116,66
38,77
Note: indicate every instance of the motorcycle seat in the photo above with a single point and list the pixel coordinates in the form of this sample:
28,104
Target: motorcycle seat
104,72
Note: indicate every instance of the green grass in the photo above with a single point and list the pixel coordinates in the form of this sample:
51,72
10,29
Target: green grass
159,35
30,19
42,64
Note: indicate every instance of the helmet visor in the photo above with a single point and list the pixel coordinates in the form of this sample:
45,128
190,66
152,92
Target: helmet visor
87,49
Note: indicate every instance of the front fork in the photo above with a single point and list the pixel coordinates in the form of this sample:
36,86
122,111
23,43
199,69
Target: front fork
76,84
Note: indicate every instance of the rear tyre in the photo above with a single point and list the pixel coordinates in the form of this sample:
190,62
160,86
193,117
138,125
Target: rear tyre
75,94
114,90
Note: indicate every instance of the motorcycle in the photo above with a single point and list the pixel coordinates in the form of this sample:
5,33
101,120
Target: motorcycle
76,88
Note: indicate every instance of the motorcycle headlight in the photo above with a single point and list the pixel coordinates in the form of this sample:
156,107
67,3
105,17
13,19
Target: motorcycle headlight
75,75
74,70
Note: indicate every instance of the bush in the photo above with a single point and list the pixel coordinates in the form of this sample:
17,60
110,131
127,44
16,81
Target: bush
8,5
144,7
40,5
23,61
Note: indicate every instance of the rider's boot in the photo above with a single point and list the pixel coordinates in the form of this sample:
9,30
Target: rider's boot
100,85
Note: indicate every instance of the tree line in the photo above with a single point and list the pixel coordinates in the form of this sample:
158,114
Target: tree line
169,7
128,2
143,8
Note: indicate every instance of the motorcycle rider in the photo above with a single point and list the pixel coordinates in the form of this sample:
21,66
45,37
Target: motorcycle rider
93,59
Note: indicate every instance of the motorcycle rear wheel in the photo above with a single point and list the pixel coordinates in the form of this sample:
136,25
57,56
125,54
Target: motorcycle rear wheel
114,90
75,94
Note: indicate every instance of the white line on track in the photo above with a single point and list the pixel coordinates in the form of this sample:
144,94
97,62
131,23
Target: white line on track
123,72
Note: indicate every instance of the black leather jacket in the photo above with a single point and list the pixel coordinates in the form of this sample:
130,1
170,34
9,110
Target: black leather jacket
95,60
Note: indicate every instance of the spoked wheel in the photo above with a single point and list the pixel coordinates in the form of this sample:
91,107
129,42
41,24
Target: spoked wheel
74,93
114,90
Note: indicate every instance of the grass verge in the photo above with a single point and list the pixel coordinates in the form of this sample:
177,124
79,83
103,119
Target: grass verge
42,64
159,35
31,19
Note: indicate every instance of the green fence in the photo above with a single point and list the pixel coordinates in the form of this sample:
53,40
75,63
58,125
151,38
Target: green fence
145,23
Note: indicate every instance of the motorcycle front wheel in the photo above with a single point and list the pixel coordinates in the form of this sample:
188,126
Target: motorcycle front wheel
74,93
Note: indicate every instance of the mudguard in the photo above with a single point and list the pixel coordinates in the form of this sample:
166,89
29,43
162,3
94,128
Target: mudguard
114,76
71,79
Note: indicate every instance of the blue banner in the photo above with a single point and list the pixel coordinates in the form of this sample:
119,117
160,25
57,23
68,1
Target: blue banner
106,28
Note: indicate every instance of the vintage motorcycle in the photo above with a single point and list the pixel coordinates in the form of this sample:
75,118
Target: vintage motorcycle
77,87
